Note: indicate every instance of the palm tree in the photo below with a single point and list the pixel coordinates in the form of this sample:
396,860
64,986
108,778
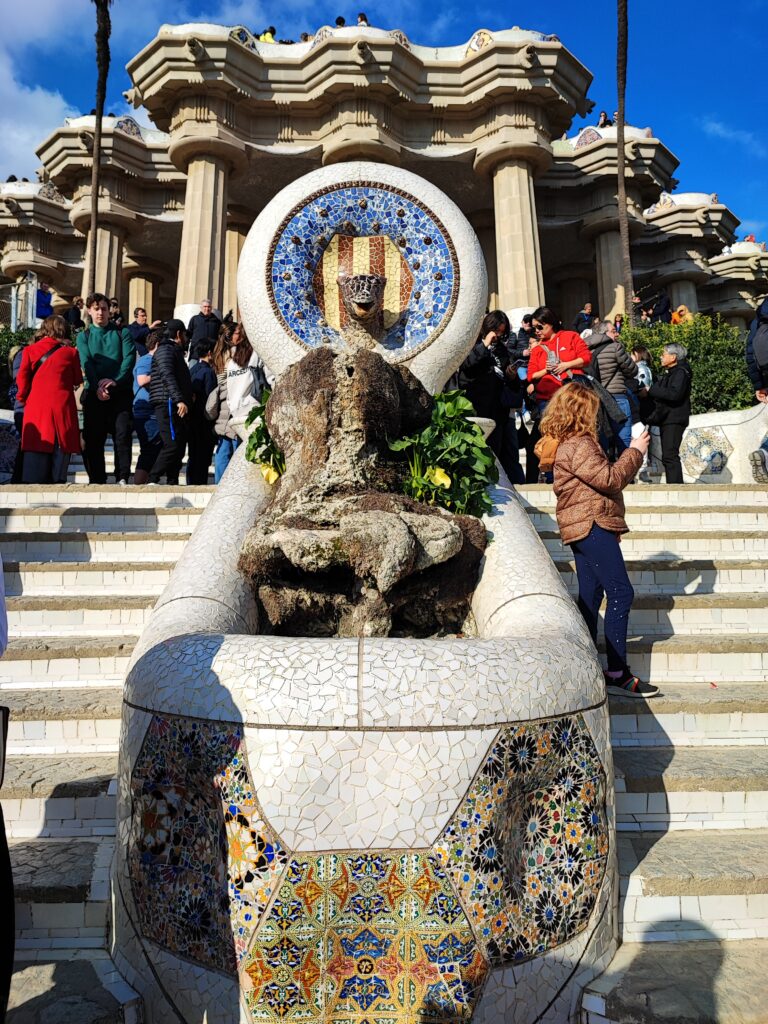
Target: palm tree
103,30
621,193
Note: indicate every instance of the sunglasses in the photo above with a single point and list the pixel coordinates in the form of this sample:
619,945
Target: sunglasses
538,327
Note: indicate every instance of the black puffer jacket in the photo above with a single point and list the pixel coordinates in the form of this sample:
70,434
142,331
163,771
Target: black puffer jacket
482,375
170,375
758,377
672,395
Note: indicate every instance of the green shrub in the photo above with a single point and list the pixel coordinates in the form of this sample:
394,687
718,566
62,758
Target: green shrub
8,340
260,448
449,462
716,356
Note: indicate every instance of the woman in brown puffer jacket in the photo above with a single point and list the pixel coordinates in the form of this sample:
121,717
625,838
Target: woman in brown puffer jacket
590,514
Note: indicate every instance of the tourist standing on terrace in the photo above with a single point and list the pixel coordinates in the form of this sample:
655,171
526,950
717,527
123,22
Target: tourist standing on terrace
672,409
170,392
144,420
584,318
614,368
202,439
590,515
107,355
48,375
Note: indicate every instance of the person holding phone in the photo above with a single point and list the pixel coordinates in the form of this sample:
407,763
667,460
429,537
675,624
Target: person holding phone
107,355
484,371
590,515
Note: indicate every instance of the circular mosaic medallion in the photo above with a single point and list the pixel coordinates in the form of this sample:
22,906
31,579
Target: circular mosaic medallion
361,219
363,229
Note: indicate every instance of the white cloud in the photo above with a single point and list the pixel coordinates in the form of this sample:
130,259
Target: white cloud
739,136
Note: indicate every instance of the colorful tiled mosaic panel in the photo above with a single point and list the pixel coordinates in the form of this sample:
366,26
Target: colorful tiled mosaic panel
202,863
358,937
345,225
705,451
527,849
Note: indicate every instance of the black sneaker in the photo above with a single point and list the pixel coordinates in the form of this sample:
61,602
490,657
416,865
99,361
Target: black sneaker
628,685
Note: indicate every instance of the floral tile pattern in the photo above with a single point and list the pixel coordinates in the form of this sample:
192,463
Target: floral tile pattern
202,863
348,221
355,937
527,849
705,451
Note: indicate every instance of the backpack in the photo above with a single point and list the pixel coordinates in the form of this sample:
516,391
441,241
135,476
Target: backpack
592,369
760,346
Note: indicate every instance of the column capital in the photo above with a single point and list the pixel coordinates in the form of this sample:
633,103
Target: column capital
112,215
500,150
195,140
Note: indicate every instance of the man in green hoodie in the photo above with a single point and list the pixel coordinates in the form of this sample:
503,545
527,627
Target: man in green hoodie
107,355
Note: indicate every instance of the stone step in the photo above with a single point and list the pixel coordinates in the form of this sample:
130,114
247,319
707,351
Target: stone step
61,889
542,496
693,714
738,657
682,546
670,576
79,615
49,659
60,796
671,882
669,788
162,496
80,477
92,546
681,983
750,518
702,614
60,519
66,986
74,720
51,579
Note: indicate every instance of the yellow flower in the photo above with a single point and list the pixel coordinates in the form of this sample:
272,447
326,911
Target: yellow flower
269,474
438,476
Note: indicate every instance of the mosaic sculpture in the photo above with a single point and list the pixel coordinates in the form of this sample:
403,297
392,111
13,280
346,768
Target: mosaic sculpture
364,828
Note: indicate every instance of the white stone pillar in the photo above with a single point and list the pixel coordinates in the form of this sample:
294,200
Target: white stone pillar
141,292
201,257
233,246
684,293
518,255
109,260
610,276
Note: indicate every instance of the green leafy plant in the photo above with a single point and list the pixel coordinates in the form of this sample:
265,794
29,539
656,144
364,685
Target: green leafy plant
449,462
260,448
8,341
715,354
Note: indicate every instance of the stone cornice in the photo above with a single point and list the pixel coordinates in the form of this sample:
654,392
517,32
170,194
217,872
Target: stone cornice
312,80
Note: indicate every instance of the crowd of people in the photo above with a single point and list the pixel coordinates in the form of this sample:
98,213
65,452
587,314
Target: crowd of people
178,388
269,35
512,379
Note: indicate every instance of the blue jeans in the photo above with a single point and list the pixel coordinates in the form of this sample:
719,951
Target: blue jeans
600,571
624,431
225,449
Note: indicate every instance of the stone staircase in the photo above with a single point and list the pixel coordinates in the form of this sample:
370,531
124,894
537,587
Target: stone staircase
83,568
691,764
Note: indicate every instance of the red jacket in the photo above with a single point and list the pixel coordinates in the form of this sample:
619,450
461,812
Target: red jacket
50,411
566,345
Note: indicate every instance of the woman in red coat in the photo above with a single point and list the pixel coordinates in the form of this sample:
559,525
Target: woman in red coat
50,433
557,356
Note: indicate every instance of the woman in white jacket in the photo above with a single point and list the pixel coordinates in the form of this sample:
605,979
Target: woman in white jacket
240,379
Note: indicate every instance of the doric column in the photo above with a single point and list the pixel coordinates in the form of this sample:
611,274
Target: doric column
483,223
684,293
201,259
238,223
611,298
141,292
109,259
518,255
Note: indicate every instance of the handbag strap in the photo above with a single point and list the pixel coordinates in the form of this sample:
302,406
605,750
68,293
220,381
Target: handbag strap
47,355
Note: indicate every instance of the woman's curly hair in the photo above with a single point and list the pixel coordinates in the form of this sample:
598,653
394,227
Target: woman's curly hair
571,412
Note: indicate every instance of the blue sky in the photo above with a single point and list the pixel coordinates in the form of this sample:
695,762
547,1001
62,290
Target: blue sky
698,74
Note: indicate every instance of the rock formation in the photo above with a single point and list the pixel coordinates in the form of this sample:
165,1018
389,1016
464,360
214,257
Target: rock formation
339,551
